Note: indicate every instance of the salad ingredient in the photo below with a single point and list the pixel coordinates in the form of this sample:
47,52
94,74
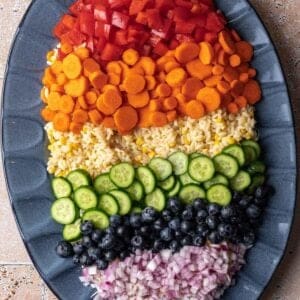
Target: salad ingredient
63,211
61,187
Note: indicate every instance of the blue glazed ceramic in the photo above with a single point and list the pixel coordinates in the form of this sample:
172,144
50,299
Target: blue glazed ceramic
24,150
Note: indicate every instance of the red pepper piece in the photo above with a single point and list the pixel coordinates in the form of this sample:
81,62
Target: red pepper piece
111,52
154,19
137,6
68,21
121,38
183,3
87,23
181,14
161,49
173,44
199,34
103,30
77,7
73,37
184,27
119,20
210,37
101,13
101,42
60,29
214,22
142,18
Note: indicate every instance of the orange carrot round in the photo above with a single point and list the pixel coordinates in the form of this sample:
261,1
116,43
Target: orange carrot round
252,73
237,88
80,116
150,82
72,66
230,74
158,119
234,60
130,57
114,67
90,66
176,77
206,53
75,127
47,114
125,118
191,87
82,102
98,79
217,70
76,87
232,108
171,115
163,90
244,50
210,97
134,83
91,97
82,52
223,87
61,122
54,100
197,69
95,116
66,104
109,122
213,80
252,92
186,52
226,42
112,99
155,105
241,101
244,77
195,109
169,103
138,100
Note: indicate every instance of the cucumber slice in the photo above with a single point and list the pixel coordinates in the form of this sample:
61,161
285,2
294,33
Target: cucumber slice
156,199
85,197
191,192
122,175
161,168
237,152
71,232
217,179
63,211
136,210
194,155
167,184
254,145
179,161
226,165
175,190
61,187
108,204
103,184
186,179
98,218
147,178
219,194
79,178
257,181
256,167
123,200
136,191
201,168
240,181
250,154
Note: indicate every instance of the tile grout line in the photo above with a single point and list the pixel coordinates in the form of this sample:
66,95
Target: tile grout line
3,263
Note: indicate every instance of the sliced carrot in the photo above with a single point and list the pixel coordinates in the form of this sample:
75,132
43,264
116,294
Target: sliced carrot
176,77
235,35
206,53
161,76
66,104
197,69
76,87
191,87
54,100
155,105
223,58
95,116
147,64
57,67
169,66
230,74
125,118
252,92
114,79
226,42
163,90
170,103
134,83
112,99
90,66
162,61
109,87
91,97
80,116
244,77
114,67
195,109
98,79
176,91
232,108
130,57
244,50
47,114
235,60
223,87
210,97
82,102
61,122
56,88
226,99
48,77
252,73
150,82
186,52
243,68
61,79
237,88
76,127
82,53
106,110
158,119
66,48
217,70
241,101
138,100
72,66
171,115
109,122
144,121
212,81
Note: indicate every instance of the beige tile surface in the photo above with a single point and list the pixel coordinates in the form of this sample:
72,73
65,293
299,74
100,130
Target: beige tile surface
19,280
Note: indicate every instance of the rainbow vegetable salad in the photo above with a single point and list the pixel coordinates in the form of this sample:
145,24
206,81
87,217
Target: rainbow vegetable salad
158,178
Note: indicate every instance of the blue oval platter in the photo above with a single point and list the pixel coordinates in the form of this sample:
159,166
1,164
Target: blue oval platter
25,150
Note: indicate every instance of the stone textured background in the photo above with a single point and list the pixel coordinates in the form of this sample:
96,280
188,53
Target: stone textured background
18,278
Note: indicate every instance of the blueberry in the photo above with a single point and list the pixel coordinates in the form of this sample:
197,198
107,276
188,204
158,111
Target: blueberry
108,242
187,214
102,264
202,229
110,255
225,230
214,237
174,205
166,234
201,216
236,196
126,220
253,211
135,220
166,215
249,238
158,245
261,202
199,204
245,201
198,240
186,226
86,241
78,248
213,209
137,241
124,254
264,191
244,226
145,230
109,230
227,212
86,227
149,215
178,234
76,259
159,224
86,260
115,221
174,246
186,241
255,222
123,231
212,222
94,253
97,235
174,224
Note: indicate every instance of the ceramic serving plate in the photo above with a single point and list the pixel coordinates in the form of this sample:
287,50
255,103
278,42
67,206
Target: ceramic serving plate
25,155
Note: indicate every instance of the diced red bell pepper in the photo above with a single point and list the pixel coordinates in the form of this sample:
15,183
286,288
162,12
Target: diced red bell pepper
102,30
90,44
213,22
121,38
60,54
118,3
184,38
154,19
204,9
98,2
199,34
146,50
68,21
154,40
77,7
137,6
101,13
161,49
208,3
73,37
184,27
165,31
184,3
211,37
141,18
111,52
87,23
60,29
88,8
164,5
101,42
173,44
199,20
119,20
181,14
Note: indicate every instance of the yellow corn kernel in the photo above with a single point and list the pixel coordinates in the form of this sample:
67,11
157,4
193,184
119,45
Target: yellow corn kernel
144,149
49,55
139,141
172,145
231,140
151,154
186,141
184,130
